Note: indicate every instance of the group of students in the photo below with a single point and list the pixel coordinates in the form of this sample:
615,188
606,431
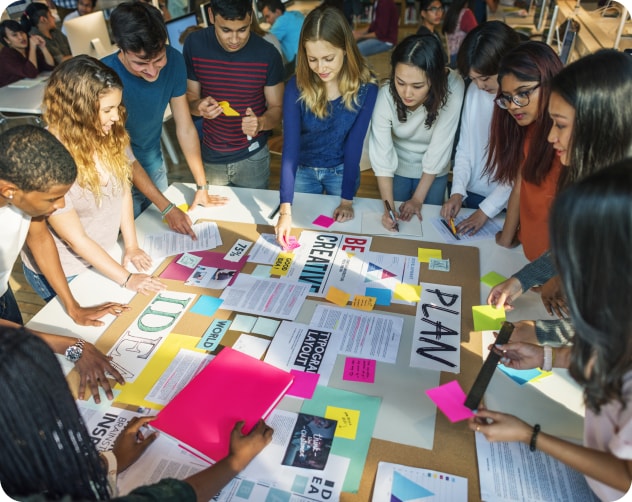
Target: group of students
533,135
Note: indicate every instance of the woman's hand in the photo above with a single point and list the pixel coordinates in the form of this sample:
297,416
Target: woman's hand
388,223
132,442
472,223
500,426
344,212
144,284
507,241
283,227
89,316
140,259
519,355
409,209
451,207
504,294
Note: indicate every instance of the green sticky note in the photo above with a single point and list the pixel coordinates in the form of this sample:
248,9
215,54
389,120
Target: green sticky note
492,279
487,317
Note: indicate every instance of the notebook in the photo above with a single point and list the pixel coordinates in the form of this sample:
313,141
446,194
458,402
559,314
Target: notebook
232,387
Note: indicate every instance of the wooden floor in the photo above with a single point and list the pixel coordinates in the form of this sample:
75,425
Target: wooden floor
30,303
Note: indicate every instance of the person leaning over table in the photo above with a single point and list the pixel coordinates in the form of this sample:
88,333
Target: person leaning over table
326,112
37,19
22,56
154,77
36,171
47,453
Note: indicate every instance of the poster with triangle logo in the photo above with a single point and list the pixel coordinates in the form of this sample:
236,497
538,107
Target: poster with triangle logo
375,272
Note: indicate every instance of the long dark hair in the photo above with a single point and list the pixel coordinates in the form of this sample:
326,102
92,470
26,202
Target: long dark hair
452,14
602,130
45,446
424,52
529,62
597,209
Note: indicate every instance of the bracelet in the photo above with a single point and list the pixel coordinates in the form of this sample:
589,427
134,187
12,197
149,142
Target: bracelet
547,365
206,186
167,209
126,280
534,437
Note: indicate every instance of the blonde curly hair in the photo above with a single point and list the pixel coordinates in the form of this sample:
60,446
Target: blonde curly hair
71,111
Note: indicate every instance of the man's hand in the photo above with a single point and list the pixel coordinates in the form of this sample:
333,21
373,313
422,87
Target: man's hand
180,222
89,316
472,223
205,199
409,209
92,367
250,123
344,212
209,109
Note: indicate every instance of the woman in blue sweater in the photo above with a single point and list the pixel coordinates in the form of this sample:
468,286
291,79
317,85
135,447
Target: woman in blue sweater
327,107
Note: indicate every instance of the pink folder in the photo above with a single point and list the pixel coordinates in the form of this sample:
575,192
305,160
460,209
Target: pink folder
233,387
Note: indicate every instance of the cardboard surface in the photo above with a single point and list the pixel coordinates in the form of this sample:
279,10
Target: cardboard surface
454,449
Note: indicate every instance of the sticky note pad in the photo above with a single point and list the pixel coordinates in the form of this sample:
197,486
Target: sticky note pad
487,317
407,292
244,323
522,376
382,295
206,305
347,421
364,302
337,296
424,254
265,326
450,399
282,263
291,244
359,370
324,221
492,279
304,384
227,109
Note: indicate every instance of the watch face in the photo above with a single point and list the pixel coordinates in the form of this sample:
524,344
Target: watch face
73,353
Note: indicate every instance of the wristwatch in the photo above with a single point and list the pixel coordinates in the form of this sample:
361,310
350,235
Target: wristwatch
207,186
75,351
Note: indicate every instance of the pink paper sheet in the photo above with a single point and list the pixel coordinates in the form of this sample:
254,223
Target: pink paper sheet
449,398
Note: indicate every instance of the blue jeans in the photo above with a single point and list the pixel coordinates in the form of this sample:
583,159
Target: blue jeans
9,310
473,200
372,46
404,188
320,180
159,176
40,285
251,172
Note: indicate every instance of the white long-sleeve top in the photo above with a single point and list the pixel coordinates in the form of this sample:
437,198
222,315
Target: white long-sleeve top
410,148
471,153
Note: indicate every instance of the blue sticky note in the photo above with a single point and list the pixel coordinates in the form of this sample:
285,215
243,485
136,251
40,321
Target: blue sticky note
520,376
213,335
206,305
383,296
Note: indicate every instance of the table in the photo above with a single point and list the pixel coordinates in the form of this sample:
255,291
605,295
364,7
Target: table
454,450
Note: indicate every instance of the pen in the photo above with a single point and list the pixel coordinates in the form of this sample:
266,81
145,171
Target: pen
452,226
275,212
391,214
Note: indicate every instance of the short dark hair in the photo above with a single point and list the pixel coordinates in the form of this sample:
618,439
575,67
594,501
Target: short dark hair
34,160
484,47
138,27
231,9
11,25
272,5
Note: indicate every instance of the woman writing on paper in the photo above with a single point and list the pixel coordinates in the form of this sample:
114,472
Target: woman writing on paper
597,287
326,112
83,110
413,127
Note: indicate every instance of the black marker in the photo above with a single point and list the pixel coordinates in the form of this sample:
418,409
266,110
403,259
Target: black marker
391,214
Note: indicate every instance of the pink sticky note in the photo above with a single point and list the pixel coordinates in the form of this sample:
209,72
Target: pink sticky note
304,384
291,244
359,370
449,398
324,221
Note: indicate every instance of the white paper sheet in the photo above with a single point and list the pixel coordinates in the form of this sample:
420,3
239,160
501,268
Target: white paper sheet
487,231
172,243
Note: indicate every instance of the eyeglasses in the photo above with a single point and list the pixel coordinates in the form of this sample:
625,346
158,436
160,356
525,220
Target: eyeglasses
434,10
521,99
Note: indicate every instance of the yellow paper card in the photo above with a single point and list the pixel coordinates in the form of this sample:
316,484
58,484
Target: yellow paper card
337,296
228,111
348,421
407,292
282,263
424,254
364,302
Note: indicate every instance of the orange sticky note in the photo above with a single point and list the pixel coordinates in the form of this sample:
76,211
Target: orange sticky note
424,254
226,108
337,296
364,302
407,292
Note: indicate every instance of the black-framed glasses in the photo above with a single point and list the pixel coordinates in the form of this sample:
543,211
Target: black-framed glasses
520,99
434,10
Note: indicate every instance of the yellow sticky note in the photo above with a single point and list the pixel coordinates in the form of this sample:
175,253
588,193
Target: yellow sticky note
348,421
487,317
407,292
228,111
424,254
337,296
364,302
282,263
